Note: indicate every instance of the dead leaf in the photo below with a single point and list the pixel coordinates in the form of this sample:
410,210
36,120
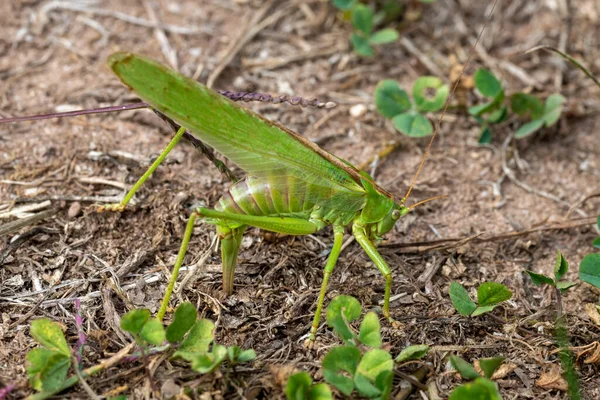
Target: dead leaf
501,373
552,379
593,311
592,353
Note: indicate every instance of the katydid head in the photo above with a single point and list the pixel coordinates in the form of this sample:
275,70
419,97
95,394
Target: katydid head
386,224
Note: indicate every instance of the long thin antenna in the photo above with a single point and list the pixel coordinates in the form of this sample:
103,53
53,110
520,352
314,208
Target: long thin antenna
450,98
427,200
101,110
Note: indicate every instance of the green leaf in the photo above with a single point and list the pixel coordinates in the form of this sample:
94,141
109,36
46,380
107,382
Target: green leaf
413,124
589,269
529,128
523,103
134,320
320,391
184,319
384,36
36,361
385,383
205,363
561,266
245,356
374,362
412,353
466,370
480,389
485,137
369,330
482,310
563,286
539,279
596,243
552,109
485,108
423,101
598,222
390,99
498,116
362,19
344,4
490,365
199,339
361,45
337,364
487,84
461,300
492,293
48,334
47,369
297,386
340,313
366,387
153,332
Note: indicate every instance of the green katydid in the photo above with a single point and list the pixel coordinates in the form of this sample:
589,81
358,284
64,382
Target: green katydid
293,187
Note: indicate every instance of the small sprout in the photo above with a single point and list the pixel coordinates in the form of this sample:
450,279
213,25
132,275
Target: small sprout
489,295
369,330
412,353
393,103
300,387
560,269
589,269
482,387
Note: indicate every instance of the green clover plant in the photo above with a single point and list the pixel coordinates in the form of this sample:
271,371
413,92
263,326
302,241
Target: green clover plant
429,95
489,295
495,111
360,364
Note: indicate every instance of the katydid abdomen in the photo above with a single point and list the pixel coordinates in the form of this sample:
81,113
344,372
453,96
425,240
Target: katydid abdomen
283,199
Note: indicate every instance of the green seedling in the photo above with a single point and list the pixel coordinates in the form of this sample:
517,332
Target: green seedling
186,337
495,111
360,364
561,266
489,295
364,38
429,95
300,387
482,387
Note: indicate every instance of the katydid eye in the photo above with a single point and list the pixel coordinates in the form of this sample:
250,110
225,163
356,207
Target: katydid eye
395,214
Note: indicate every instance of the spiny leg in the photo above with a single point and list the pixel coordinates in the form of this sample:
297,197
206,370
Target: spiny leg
358,230
121,206
231,238
189,229
338,236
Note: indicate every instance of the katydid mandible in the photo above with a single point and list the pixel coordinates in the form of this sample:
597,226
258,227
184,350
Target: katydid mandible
293,186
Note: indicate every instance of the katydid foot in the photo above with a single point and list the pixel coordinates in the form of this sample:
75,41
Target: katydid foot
115,207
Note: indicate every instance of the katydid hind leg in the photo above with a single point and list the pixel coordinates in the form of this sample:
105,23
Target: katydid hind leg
121,206
361,237
338,236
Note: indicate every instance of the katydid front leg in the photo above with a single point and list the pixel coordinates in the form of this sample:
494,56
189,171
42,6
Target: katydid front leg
121,206
360,234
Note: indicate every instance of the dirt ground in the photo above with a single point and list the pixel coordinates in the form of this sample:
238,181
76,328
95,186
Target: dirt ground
511,205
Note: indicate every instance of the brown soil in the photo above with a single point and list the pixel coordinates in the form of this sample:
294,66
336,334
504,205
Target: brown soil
53,59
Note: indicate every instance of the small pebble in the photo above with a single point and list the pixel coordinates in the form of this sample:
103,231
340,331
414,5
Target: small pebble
74,210
358,110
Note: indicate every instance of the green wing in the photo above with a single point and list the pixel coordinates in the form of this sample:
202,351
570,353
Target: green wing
259,146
